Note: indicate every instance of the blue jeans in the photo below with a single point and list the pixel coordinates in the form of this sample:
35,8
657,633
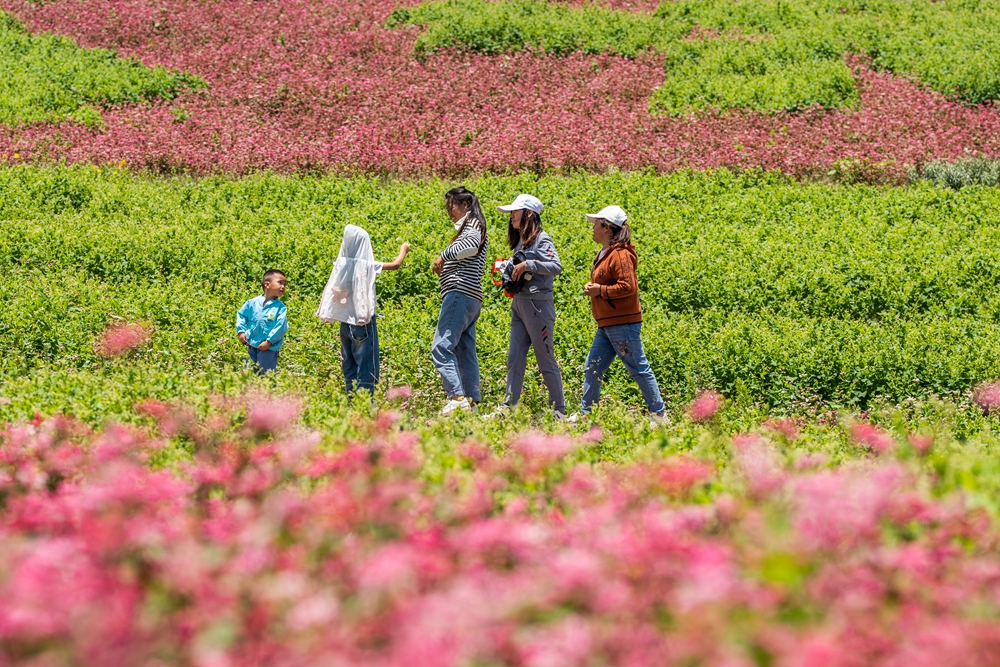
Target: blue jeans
359,356
262,362
454,347
620,341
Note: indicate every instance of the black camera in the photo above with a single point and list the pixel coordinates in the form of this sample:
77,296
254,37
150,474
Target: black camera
510,286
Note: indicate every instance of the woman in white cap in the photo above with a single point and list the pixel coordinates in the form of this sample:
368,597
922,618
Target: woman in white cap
614,303
349,298
533,313
460,267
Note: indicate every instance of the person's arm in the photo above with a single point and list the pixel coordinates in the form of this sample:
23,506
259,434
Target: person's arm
466,245
277,332
241,323
549,264
624,273
398,262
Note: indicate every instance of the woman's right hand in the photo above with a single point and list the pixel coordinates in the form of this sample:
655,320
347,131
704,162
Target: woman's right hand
438,266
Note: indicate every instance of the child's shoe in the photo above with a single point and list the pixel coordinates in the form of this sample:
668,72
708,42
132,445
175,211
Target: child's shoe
452,405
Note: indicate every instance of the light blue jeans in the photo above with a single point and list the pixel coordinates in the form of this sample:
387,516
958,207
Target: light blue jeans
620,341
454,347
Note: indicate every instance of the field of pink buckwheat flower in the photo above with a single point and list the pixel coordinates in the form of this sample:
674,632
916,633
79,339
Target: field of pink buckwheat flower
262,547
306,85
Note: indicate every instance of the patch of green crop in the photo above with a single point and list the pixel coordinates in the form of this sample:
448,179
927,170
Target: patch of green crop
501,27
47,78
764,55
773,72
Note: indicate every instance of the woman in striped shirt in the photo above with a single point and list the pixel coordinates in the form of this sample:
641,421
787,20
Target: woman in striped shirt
461,268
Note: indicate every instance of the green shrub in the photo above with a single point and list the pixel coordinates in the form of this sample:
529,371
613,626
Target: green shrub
961,173
49,78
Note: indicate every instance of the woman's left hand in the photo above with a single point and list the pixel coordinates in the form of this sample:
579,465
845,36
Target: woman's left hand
592,289
518,271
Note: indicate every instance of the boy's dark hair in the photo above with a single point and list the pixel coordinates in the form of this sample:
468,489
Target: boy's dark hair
270,273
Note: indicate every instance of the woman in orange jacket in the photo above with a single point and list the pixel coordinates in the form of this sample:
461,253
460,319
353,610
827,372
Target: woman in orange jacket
614,302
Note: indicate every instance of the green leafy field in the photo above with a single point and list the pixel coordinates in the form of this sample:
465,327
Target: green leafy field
49,78
758,54
786,297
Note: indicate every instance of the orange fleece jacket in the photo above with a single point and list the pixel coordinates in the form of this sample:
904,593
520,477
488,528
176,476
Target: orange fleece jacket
619,299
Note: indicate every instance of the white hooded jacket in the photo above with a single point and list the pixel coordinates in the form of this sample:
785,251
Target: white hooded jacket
349,295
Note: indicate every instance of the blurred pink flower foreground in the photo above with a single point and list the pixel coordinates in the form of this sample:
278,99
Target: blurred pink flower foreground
263,548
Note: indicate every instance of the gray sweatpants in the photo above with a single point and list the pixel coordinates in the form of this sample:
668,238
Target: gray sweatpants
531,324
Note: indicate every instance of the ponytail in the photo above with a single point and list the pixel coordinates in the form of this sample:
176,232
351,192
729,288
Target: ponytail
469,200
620,236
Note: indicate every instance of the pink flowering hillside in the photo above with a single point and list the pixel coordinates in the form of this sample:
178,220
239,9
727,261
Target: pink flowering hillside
305,85
245,540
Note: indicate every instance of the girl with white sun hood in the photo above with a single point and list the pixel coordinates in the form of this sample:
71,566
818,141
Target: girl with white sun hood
349,298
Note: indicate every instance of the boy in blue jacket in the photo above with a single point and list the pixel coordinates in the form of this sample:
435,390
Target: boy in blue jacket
262,322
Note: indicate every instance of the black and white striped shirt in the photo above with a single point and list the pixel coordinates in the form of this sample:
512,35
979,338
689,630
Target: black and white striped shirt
464,264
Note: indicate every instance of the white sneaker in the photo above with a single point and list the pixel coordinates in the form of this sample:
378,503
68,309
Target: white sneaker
502,412
577,418
452,405
559,416
658,419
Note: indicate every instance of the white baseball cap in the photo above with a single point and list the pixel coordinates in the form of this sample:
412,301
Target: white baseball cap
523,201
613,214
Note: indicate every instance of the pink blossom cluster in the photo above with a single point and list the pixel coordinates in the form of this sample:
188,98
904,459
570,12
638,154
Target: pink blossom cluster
872,437
307,85
122,337
705,405
267,549
987,396
787,427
